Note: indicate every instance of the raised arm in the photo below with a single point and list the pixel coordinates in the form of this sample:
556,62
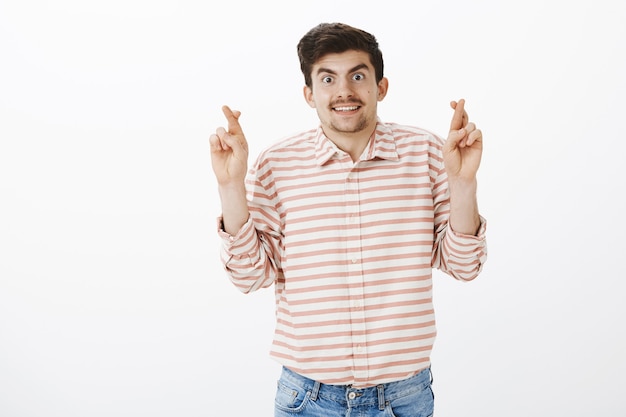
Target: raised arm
461,154
229,158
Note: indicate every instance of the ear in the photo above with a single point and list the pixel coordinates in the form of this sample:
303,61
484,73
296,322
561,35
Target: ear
383,86
308,96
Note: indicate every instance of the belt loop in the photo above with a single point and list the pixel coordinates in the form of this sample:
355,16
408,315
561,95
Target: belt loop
316,390
381,397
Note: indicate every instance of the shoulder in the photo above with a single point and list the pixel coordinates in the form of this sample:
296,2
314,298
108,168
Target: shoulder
411,138
302,140
409,132
297,146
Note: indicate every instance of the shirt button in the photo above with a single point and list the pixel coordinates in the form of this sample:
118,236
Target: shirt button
352,395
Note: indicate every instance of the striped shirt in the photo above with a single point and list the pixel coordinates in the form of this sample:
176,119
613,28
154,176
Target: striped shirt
350,249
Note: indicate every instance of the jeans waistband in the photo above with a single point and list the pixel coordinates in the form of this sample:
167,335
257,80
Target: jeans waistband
375,395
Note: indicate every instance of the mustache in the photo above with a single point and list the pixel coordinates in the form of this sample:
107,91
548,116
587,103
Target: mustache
346,103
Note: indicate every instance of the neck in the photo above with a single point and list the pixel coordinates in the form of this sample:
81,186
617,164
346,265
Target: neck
351,143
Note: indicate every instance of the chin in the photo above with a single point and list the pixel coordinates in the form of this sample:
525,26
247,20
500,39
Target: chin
349,128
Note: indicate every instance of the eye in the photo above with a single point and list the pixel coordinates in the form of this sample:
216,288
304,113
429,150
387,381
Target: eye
327,79
358,77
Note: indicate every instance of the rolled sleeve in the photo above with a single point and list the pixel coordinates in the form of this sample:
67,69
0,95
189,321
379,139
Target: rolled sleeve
464,255
243,259
235,244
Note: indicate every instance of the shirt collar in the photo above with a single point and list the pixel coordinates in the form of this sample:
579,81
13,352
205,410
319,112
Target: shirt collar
382,147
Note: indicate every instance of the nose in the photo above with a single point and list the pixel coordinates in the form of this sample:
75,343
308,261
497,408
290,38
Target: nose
344,88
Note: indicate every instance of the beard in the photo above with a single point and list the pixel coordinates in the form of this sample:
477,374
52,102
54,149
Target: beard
349,126
340,125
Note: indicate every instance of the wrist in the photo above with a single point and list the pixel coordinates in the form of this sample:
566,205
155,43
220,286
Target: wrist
234,207
230,191
463,186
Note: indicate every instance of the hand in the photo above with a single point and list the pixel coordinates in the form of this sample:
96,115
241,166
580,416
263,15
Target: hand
464,146
229,151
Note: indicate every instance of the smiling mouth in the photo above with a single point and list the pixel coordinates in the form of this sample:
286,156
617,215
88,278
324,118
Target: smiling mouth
346,108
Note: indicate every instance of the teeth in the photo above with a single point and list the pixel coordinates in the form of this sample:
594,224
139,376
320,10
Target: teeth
351,108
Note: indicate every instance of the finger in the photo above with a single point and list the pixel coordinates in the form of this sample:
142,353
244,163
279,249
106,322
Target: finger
221,132
229,141
222,135
214,142
455,139
474,137
217,144
234,128
459,118
470,127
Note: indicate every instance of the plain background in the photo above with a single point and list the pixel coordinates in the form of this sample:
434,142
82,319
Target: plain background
112,298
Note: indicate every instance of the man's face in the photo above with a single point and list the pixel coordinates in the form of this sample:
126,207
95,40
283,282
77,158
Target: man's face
345,93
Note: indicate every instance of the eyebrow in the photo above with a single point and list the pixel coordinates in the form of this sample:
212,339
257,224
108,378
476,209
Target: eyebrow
329,71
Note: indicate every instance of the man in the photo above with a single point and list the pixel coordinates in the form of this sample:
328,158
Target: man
347,221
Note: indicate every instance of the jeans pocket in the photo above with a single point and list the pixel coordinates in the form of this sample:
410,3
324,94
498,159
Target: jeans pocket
291,398
417,404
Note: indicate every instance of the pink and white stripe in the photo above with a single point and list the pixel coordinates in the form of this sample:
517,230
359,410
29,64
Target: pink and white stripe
350,249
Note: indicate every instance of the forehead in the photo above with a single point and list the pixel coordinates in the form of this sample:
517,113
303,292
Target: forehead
342,62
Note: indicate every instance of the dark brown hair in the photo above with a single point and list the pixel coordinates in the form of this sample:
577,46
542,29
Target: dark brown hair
327,38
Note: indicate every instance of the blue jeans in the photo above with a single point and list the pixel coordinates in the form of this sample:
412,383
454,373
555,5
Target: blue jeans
297,396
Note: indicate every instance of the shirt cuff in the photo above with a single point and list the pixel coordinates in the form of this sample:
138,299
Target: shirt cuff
462,238
231,242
